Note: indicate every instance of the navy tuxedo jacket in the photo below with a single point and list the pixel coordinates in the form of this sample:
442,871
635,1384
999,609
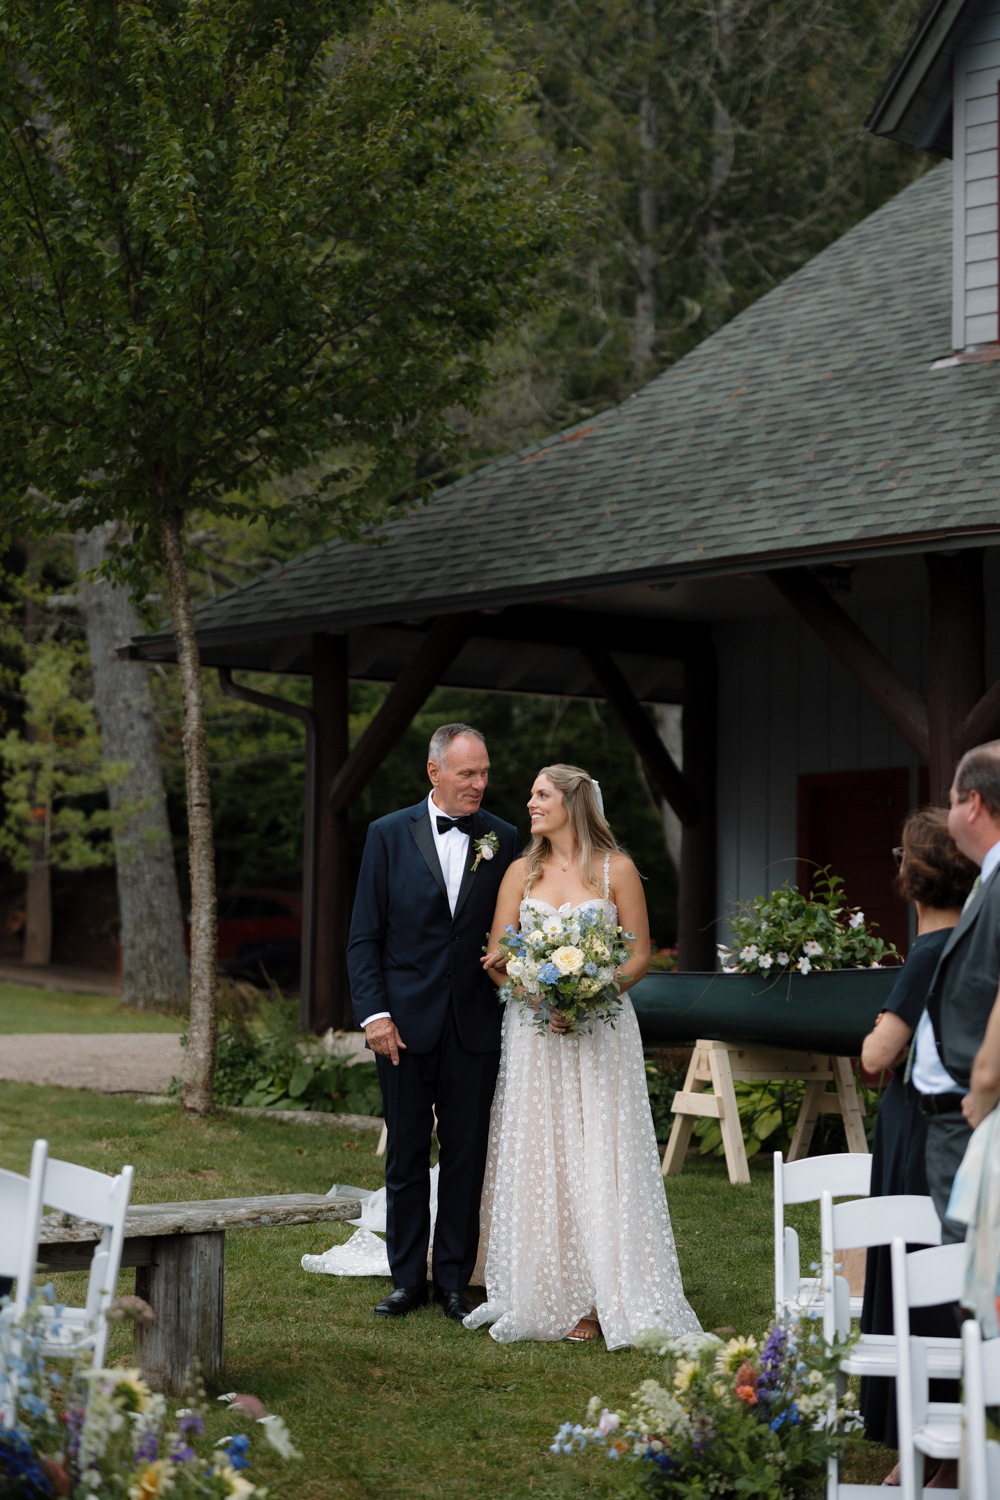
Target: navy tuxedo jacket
406,954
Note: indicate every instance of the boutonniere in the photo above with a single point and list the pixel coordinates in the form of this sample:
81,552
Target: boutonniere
485,848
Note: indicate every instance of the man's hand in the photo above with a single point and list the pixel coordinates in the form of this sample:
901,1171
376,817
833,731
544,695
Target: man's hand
383,1037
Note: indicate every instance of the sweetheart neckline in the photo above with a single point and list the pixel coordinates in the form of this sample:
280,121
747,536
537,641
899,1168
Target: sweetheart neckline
590,902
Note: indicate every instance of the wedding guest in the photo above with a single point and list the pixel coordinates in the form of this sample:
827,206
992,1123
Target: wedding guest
937,878
964,987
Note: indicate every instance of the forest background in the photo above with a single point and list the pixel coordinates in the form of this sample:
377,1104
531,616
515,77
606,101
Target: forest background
722,144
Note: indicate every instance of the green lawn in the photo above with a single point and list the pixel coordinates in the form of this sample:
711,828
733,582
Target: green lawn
400,1410
25,1008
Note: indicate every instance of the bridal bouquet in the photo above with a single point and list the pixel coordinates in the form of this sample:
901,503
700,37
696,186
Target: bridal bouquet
567,964
729,1418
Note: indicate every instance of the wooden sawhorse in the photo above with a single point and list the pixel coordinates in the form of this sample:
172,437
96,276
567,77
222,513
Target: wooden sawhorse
722,1064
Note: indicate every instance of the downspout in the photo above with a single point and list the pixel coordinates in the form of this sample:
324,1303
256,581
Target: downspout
294,711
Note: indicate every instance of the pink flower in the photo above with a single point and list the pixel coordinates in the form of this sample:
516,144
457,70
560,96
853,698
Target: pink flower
609,1422
249,1405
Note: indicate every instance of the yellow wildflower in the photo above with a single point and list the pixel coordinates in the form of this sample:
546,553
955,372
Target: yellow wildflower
152,1481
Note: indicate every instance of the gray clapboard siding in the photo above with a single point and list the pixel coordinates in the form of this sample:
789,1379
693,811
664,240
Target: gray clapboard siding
975,270
788,708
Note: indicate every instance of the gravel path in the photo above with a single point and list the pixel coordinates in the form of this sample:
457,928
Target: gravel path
111,1064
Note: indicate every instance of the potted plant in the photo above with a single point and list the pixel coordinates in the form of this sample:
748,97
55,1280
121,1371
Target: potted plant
803,971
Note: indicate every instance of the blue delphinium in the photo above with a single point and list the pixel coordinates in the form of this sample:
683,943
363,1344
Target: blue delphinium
236,1451
18,1462
549,974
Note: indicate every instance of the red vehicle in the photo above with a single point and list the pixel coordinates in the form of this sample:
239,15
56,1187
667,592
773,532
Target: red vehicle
257,929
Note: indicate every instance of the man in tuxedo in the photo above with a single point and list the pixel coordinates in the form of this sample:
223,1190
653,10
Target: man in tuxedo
426,896
965,983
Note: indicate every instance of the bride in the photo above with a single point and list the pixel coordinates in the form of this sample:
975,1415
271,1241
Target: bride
579,1231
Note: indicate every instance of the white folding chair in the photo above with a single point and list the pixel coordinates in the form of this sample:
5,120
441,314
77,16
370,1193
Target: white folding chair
980,1463
861,1224
101,1200
20,1216
846,1175
923,1278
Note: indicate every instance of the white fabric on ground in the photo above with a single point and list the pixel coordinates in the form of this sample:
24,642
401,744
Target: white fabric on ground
364,1254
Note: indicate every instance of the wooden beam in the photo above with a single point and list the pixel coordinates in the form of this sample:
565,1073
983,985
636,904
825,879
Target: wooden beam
844,639
438,650
330,1001
638,726
698,897
982,723
635,635
956,662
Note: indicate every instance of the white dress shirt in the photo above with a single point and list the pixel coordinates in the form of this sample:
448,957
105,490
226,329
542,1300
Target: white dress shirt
930,1076
452,851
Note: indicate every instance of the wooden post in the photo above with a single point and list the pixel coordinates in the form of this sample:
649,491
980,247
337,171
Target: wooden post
956,676
331,1001
185,1287
698,898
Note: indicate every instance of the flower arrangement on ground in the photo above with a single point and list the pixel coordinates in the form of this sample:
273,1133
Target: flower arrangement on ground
104,1435
566,965
787,933
729,1418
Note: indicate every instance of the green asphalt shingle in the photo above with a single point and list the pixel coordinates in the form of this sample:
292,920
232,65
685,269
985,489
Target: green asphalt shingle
812,424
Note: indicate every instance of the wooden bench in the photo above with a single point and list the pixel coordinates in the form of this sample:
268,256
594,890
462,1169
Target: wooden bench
179,1252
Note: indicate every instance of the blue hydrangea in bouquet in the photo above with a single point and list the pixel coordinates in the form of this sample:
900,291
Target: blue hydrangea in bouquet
104,1435
565,967
729,1417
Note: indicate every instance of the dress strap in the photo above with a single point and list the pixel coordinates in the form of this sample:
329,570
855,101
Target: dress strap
607,881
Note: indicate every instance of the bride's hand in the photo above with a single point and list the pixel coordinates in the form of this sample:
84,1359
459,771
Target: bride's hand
558,1024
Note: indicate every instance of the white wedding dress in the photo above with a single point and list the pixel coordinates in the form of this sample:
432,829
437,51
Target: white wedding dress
573,1202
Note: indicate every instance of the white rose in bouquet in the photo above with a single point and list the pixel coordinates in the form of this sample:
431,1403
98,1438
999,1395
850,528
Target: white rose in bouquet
536,938
568,960
605,976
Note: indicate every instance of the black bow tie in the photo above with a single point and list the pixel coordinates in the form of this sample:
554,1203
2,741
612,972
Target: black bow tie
463,824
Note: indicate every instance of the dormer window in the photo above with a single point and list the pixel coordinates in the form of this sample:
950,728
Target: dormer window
943,97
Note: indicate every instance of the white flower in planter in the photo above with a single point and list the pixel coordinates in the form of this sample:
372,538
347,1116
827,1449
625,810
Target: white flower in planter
858,920
765,961
749,953
783,959
804,966
812,949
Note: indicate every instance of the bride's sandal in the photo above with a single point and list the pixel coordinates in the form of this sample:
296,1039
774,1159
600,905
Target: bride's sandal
585,1332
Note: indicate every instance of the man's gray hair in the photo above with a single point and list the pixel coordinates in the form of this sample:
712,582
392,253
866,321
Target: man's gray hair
442,738
979,771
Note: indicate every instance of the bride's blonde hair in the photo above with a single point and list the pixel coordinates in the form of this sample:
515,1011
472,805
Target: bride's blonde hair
587,825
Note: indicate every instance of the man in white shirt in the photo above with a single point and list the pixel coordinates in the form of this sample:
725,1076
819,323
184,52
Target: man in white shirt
966,981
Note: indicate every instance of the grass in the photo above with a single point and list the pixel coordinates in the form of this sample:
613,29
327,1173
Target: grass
395,1411
27,1009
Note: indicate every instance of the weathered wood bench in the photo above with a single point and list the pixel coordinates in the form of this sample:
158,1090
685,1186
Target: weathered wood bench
179,1252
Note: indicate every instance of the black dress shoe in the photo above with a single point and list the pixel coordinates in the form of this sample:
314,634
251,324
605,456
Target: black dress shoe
456,1305
401,1301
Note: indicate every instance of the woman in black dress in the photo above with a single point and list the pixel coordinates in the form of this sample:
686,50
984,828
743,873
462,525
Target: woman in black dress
937,878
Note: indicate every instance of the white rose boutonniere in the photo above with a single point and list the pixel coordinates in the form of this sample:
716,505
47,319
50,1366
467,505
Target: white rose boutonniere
485,848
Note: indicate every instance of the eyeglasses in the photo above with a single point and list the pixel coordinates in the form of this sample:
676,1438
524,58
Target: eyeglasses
897,855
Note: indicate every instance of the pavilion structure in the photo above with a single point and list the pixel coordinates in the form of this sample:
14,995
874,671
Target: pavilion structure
794,532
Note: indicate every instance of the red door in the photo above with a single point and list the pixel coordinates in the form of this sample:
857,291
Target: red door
852,821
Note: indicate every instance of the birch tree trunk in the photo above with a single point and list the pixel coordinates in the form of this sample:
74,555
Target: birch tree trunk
154,968
198,1075
644,324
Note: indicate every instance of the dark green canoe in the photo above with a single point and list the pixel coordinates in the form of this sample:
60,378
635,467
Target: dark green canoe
828,1011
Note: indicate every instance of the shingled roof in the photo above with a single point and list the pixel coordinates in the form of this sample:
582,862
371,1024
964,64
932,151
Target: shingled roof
810,426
